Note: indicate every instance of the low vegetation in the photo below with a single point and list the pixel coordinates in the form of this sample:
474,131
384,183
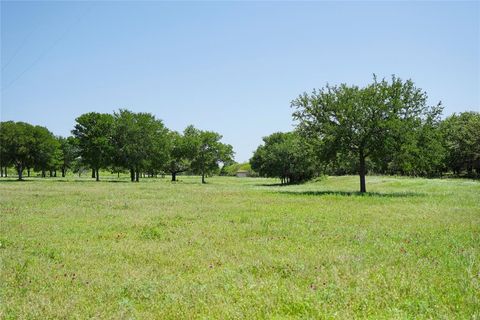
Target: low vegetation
239,248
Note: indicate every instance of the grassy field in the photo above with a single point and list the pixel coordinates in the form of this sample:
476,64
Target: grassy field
240,248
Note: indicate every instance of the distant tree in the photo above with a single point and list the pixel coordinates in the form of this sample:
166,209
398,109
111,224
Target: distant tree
181,152
231,169
208,151
461,138
16,139
78,167
93,132
6,132
140,142
159,154
343,163
25,146
422,153
368,122
69,152
45,150
284,156
56,160
115,168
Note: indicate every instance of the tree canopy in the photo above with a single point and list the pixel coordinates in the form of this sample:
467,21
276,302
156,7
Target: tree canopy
461,140
25,146
139,142
284,156
93,131
181,149
207,151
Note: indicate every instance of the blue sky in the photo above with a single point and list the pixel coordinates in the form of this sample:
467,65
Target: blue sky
232,67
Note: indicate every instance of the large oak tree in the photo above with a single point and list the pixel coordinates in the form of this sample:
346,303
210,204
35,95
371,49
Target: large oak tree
366,122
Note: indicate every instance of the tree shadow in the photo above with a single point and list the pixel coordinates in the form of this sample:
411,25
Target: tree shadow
354,194
14,180
93,181
31,179
279,184
271,185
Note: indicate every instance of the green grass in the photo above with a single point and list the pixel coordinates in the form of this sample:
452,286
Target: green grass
240,248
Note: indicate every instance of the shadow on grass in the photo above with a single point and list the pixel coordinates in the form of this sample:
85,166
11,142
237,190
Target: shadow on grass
352,194
271,185
94,181
86,180
279,184
14,180
61,180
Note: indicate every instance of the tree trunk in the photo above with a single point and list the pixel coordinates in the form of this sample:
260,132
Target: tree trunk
55,173
28,172
469,171
1,171
132,175
93,173
203,177
20,172
44,174
96,175
137,176
174,176
63,172
361,171
118,174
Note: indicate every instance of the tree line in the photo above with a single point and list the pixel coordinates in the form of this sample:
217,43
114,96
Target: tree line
124,141
385,127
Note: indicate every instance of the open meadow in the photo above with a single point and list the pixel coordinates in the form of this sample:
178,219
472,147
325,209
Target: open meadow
239,248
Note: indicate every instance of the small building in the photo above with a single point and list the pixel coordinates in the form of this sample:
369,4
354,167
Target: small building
242,173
